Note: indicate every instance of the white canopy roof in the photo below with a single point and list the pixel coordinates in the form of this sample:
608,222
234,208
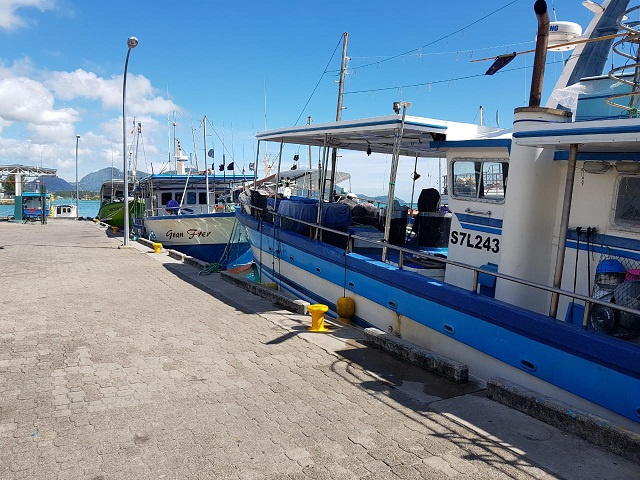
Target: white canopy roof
423,137
622,135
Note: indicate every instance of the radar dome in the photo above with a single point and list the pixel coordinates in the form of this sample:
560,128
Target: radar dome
561,33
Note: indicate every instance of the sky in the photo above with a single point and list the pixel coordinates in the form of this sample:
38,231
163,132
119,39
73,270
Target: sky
249,66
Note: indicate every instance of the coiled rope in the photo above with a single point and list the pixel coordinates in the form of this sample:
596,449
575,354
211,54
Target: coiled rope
219,266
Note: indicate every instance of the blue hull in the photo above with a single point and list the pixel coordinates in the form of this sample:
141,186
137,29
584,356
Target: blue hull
596,367
207,253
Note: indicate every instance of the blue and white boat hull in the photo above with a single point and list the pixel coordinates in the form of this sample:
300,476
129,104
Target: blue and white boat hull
202,236
493,338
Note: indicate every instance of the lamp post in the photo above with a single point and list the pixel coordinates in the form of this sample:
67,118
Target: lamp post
132,42
77,206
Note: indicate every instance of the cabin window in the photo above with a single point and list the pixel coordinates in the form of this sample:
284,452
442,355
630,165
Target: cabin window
628,202
191,198
165,197
179,198
202,198
480,178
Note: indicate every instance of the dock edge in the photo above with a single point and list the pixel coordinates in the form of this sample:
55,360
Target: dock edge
453,371
567,418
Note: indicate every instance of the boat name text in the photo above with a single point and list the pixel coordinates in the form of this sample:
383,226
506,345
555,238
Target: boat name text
189,234
479,242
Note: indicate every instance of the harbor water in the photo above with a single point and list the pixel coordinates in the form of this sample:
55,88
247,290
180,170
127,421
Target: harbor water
86,208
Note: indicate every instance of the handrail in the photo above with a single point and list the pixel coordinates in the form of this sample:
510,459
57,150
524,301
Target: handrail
197,209
476,270
477,212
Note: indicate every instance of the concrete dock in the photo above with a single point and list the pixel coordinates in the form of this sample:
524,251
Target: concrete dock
118,363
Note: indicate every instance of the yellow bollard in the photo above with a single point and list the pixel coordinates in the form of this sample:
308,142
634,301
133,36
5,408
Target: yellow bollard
317,317
157,247
114,229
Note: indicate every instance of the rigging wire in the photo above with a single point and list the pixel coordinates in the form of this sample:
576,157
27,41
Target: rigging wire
439,81
507,47
320,79
221,140
437,40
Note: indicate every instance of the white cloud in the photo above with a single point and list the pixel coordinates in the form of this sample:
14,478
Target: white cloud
41,112
51,133
26,100
141,98
9,18
19,68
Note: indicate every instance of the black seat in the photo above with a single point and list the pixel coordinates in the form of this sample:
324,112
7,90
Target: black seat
431,226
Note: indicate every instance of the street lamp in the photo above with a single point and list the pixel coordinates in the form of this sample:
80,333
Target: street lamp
132,42
77,207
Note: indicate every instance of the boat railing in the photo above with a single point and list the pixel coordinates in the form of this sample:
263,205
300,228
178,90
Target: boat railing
316,229
192,209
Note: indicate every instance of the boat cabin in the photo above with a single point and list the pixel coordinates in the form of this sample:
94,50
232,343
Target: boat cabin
65,211
171,194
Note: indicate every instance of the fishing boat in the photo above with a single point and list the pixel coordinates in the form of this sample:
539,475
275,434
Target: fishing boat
533,277
182,214
112,202
192,212
64,210
111,209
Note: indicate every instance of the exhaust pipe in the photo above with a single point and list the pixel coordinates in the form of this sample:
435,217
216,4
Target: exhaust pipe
542,41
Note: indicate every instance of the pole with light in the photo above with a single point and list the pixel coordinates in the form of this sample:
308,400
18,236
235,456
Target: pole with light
132,42
77,207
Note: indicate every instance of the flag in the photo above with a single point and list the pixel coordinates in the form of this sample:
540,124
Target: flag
221,167
500,62
230,166
295,165
251,166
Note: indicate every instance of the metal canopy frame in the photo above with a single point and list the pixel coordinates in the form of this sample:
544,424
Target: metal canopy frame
26,170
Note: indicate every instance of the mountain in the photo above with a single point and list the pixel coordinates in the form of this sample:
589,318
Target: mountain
93,181
54,184
380,199
89,183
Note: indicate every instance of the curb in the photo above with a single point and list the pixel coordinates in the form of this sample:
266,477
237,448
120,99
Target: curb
177,255
187,259
295,306
592,428
453,371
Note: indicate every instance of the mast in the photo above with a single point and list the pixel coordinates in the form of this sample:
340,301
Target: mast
175,148
310,164
310,187
334,153
206,167
168,139
224,165
134,165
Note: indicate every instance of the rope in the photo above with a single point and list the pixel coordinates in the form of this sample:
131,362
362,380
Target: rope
219,266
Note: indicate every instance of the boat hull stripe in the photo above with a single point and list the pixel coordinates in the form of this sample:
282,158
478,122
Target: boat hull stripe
477,228
488,222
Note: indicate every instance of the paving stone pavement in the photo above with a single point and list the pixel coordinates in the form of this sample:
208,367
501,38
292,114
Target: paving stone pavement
116,363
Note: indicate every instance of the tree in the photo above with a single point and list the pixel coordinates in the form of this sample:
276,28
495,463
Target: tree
9,185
